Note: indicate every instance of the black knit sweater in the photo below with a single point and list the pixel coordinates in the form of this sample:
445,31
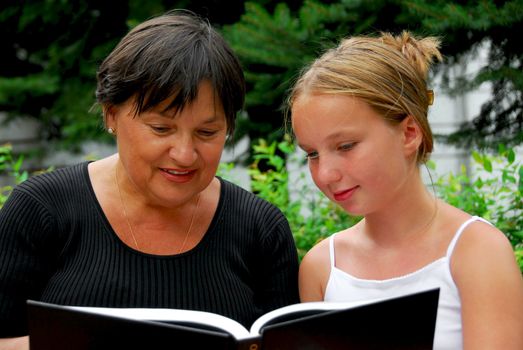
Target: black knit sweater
56,245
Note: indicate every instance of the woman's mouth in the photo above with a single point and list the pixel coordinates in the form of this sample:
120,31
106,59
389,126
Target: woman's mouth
177,172
178,175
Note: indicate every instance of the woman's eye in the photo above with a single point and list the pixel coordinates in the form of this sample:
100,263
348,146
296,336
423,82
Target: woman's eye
207,133
160,129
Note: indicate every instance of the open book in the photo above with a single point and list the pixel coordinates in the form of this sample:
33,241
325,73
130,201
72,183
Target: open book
406,322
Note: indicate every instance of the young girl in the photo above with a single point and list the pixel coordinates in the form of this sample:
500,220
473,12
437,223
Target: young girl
360,114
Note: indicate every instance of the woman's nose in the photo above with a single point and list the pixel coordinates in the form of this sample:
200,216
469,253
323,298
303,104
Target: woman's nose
183,151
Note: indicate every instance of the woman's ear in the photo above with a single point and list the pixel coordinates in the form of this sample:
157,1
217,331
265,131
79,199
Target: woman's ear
109,116
412,135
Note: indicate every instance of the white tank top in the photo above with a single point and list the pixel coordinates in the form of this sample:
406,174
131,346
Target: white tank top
448,334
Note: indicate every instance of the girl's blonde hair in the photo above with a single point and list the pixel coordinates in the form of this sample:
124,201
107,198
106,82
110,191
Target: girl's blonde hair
387,72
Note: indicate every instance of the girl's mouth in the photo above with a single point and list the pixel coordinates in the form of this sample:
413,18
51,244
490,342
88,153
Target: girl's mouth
344,195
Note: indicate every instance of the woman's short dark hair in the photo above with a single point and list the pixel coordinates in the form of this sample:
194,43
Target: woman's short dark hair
170,55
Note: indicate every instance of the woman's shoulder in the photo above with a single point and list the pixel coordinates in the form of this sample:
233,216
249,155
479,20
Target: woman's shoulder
231,188
55,181
243,199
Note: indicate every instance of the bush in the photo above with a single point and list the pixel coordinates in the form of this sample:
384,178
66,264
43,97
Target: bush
496,194
12,167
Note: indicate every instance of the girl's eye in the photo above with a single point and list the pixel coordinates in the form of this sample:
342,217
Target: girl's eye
347,146
311,155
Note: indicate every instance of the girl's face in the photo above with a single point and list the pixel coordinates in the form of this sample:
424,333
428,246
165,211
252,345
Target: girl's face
356,158
169,157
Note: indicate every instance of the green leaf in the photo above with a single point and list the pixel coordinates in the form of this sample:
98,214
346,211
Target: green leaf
478,183
487,164
511,156
477,157
507,177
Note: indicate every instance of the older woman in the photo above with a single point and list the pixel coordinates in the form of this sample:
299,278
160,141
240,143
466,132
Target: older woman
151,226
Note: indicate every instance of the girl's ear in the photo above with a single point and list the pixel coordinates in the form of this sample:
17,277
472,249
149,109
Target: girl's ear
412,135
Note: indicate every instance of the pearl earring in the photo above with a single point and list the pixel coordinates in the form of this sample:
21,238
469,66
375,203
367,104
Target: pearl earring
110,131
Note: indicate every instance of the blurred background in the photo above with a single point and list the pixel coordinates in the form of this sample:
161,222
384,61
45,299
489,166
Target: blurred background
51,50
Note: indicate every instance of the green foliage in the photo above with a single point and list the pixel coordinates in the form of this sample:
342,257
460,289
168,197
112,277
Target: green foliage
12,166
496,194
52,50
467,28
519,257
274,43
274,46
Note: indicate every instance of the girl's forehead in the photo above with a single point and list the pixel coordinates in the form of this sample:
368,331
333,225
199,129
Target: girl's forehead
325,105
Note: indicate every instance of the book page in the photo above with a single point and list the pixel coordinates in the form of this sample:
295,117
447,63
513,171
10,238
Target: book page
176,316
301,310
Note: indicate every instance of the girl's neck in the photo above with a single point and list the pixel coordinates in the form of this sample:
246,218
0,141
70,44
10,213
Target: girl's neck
408,217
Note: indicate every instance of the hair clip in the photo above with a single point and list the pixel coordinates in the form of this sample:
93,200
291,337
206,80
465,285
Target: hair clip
430,97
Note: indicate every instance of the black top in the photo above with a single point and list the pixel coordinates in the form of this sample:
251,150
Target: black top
57,246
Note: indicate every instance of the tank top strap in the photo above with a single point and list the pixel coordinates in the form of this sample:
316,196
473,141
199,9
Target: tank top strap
460,230
331,250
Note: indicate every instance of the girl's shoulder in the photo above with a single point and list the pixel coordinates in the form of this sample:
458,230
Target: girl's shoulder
479,247
472,230
322,251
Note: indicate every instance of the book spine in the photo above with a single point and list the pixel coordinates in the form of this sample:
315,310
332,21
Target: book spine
250,344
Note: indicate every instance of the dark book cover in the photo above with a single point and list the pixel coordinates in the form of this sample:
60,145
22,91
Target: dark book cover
406,322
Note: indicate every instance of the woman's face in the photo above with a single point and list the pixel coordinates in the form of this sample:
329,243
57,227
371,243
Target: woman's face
355,157
169,157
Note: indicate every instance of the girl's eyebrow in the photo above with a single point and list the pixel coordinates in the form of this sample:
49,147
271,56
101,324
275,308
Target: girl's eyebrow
334,135
303,147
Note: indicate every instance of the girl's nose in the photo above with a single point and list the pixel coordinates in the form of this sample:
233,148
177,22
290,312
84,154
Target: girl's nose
328,172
